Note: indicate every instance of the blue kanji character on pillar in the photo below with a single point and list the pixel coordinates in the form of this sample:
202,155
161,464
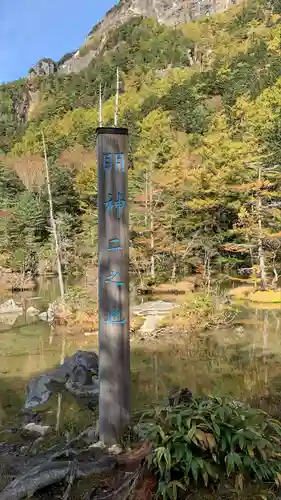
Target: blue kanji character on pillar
119,162
109,204
118,204
114,318
114,245
113,276
107,160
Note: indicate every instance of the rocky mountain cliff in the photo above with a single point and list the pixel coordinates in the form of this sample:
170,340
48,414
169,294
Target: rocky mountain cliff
168,12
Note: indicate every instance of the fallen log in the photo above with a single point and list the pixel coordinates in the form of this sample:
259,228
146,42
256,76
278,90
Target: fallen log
52,473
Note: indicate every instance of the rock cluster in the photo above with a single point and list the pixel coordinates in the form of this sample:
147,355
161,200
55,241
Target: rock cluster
44,67
78,374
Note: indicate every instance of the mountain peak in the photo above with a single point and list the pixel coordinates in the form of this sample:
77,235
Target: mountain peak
169,12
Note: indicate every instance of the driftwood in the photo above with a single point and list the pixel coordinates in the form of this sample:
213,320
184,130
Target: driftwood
72,478
51,473
53,466
69,463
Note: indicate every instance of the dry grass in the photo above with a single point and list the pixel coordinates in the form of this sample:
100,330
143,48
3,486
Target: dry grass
267,296
85,321
241,292
197,312
184,286
248,292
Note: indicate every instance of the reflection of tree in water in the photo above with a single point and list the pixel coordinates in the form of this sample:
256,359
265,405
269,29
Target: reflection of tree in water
265,344
243,355
244,360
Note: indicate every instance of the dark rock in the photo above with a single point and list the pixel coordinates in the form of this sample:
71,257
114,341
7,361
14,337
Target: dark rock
37,391
36,429
90,435
179,396
78,368
78,374
10,449
31,416
83,391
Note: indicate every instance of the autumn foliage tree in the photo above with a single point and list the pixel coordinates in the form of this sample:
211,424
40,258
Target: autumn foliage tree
202,103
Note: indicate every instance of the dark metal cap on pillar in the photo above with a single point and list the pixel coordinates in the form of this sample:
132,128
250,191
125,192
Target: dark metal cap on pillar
114,346
112,130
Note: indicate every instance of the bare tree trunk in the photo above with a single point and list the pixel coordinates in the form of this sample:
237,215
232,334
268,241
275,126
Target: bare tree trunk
100,107
137,267
265,344
57,250
205,266
140,276
175,266
208,275
195,56
207,271
276,277
262,264
260,240
146,199
151,216
251,258
190,58
52,220
116,99
174,270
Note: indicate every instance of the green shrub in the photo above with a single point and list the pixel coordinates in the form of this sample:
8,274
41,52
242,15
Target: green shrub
211,439
77,298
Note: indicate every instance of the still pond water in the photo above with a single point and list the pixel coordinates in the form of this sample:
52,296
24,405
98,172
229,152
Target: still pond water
243,361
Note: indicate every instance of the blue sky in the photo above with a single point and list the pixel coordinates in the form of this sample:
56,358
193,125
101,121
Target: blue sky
32,29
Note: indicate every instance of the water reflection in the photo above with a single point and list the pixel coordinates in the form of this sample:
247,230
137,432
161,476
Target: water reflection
9,319
243,361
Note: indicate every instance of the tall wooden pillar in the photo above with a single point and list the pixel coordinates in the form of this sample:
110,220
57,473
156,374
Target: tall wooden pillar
114,346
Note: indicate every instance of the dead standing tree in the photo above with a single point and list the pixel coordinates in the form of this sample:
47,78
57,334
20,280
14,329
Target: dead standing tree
52,220
58,259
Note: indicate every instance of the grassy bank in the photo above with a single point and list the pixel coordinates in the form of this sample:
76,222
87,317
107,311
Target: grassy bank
251,294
